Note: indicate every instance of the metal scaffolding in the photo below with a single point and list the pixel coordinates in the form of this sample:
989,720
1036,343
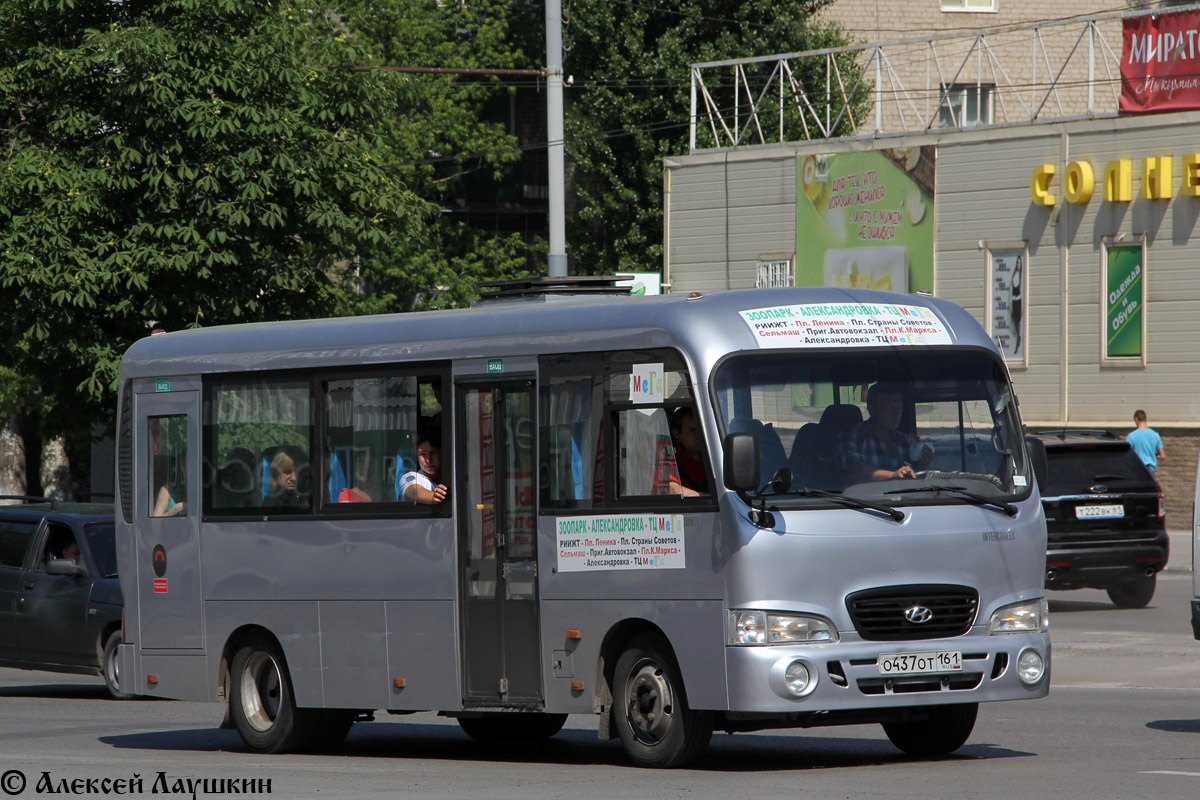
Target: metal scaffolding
1047,71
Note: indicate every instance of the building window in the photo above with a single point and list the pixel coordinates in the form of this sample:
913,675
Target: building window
969,5
774,274
966,105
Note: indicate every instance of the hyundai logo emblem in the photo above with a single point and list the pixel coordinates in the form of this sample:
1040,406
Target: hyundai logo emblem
918,615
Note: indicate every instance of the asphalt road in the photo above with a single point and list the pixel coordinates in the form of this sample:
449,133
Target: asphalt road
1122,720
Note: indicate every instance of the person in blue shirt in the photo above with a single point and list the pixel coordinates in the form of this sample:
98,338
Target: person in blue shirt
1145,441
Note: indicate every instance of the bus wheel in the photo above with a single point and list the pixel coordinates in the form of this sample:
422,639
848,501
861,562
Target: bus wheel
650,709
264,710
944,730
513,725
109,668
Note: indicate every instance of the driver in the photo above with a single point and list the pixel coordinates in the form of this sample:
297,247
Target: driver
875,449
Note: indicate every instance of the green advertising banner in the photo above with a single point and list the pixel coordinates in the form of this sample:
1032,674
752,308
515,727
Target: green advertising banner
1123,303
865,220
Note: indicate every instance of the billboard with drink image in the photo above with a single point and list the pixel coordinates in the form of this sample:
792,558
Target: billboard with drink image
865,220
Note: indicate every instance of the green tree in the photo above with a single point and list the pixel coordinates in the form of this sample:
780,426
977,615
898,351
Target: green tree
449,136
630,105
176,163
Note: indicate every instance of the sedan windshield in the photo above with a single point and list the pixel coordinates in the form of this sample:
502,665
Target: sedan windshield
906,427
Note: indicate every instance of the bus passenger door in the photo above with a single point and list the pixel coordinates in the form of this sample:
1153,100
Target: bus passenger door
166,516
495,450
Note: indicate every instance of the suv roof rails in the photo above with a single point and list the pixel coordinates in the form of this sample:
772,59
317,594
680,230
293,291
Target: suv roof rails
1084,432
27,498
545,287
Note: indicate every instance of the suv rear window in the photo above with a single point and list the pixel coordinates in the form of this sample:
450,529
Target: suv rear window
1074,469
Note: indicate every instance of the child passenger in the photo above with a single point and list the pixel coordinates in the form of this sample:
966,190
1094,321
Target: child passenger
422,486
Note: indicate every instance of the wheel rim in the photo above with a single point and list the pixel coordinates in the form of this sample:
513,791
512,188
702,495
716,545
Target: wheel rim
649,703
113,671
261,691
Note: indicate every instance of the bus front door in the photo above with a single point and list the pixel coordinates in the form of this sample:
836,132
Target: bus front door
495,458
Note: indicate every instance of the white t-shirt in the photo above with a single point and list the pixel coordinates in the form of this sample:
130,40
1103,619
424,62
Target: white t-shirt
409,479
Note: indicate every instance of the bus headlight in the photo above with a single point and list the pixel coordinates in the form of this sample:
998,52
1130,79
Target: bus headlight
761,627
1028,616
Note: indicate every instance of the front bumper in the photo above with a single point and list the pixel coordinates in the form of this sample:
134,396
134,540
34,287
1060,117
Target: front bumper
849,680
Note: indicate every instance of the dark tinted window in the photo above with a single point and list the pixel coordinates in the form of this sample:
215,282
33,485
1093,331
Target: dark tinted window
606,431
14,540
259,434
102,540
1073,470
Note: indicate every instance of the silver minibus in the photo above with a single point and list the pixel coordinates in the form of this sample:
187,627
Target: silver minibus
690,513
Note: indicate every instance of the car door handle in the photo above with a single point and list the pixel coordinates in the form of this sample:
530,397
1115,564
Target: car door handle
28,585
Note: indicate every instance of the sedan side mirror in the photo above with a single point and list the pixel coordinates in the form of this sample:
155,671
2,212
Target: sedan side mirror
743,470
65,566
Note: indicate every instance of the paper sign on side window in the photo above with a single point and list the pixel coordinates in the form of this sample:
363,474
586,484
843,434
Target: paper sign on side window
647,384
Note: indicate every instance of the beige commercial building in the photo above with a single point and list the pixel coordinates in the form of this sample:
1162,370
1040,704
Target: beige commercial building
1075,243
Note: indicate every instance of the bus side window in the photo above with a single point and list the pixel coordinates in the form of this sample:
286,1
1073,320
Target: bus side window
167,492
251,425
572,474
372,427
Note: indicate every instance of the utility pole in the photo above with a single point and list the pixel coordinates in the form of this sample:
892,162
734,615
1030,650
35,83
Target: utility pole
554,133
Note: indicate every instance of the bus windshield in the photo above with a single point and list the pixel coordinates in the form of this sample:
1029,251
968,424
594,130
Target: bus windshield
905,427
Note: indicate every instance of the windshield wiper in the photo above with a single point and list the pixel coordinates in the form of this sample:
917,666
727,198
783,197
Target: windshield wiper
977,499
853,502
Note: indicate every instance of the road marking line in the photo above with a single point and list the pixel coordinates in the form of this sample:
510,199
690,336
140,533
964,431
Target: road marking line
1171,772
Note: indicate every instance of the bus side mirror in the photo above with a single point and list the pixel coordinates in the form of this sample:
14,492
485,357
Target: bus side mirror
742,467
1036,449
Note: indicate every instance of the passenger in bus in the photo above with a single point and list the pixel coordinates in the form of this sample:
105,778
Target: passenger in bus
876,449
421,485
170,500
688,456
281,487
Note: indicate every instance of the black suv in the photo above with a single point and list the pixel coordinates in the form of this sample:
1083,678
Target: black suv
60,600
1104,515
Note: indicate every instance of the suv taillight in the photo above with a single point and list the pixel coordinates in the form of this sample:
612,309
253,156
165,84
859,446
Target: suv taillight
1162,506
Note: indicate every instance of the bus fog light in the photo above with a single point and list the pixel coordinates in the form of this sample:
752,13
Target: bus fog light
798,679
1031,666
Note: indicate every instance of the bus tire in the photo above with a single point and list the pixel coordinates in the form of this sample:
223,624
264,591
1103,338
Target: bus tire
944,730
513,725
261,701
109,668
650,709
1136,593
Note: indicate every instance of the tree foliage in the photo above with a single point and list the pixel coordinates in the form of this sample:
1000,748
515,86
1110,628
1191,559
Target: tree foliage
631,102
447,129
176,163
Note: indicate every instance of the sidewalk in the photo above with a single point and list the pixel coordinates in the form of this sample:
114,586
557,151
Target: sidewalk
1180,559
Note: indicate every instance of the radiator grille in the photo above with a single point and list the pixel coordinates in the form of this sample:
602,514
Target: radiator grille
879,614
